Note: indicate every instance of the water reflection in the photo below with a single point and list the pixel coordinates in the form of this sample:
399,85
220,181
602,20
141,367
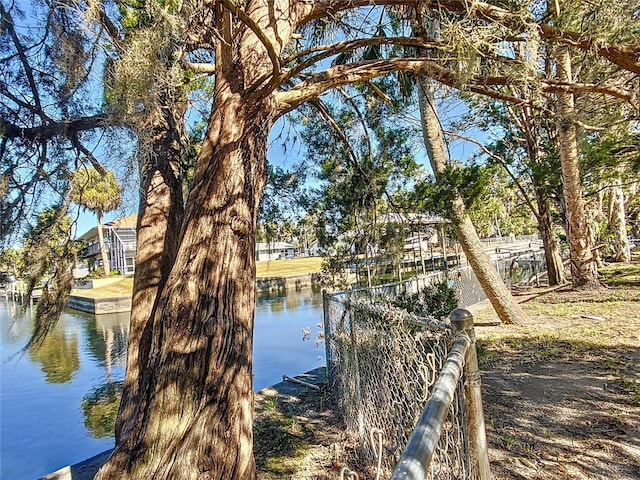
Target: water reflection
291,299
100,407
108,336
58,356
59,403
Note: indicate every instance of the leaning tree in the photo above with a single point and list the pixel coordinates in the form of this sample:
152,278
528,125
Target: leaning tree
190,411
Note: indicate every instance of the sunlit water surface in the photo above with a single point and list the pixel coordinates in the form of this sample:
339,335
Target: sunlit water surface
54,401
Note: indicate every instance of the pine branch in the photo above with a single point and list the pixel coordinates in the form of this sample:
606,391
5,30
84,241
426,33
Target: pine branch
625,56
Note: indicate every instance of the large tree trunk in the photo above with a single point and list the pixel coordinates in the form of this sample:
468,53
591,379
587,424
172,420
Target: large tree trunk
192,416
499,295
196,388
103,248
584,270
616,218
160,215
555,269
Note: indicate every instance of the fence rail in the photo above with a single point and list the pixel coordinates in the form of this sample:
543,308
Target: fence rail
514,268
416,459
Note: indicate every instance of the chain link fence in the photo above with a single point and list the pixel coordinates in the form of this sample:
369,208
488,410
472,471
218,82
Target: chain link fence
382,364
515,268
383,361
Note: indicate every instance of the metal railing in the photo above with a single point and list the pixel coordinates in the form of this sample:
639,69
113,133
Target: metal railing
384,364
514,268
518,238
462,362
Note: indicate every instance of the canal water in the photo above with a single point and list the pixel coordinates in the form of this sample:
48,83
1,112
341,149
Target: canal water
57,404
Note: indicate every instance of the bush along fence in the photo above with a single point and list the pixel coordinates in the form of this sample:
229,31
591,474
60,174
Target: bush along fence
515,269
386,365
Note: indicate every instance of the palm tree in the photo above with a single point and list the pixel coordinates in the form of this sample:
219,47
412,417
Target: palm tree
98,192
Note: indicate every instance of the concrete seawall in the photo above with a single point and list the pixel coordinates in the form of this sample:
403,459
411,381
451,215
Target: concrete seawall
98,306
291,282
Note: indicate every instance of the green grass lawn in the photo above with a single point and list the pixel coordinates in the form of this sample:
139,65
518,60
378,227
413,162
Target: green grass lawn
284,268
123,287
271,268
619,274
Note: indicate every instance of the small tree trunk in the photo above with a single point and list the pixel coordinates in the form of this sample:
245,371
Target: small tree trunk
618,225
584,269
103,248
555,269
531,130
499,295
595,216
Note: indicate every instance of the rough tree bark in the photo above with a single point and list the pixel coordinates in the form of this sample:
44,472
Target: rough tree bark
555,269
499,295
584,269
196,392
542,208
192,412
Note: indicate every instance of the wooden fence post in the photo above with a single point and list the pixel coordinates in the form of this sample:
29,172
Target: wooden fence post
462,320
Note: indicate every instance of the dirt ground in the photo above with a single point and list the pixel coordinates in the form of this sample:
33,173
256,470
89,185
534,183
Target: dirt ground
561,392
561,396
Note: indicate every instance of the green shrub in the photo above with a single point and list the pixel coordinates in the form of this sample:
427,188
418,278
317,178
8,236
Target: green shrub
435,301
97,273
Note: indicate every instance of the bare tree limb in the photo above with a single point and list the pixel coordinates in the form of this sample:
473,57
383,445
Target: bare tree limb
253,26
504,164
364,71
208,68
7,24
64,128
358,113
322,109
87,153
112,29
367,70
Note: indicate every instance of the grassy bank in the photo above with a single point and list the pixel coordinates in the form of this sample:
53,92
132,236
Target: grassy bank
561,394
117,289
266,269
285,268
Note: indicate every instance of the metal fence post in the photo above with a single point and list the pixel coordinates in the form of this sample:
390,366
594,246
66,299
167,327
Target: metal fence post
462,320
327,336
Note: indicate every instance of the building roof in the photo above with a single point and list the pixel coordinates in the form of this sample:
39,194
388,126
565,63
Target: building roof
413,219
129,221
274,246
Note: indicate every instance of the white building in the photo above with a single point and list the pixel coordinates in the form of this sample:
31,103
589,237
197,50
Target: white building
275,251
120,242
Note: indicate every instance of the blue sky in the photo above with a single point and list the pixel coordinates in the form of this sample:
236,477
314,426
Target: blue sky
287,152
